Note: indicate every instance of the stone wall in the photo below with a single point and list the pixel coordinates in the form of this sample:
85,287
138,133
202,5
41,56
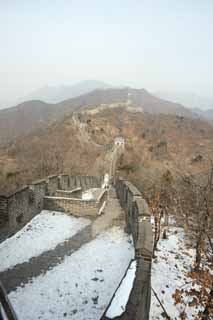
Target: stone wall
22,205
74,206
52,185
3,211
39,189
138,224
64,182
75,193
19,207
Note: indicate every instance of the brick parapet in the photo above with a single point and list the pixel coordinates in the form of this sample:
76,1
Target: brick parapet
138,224
77,192
74,206
18,207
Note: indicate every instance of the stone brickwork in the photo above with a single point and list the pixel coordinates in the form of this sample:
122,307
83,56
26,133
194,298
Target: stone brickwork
21,206
39,189
138,224
52,185
17,208
74,206
75,193
3,211
64,182
74,183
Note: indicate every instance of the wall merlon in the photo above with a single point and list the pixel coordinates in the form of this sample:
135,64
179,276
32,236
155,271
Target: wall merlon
144,244
134,191
143,208
64,182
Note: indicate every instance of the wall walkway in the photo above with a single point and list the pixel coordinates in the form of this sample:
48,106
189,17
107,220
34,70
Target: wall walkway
125,203
138,223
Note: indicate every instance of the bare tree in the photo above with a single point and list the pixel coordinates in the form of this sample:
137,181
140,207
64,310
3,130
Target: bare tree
194,196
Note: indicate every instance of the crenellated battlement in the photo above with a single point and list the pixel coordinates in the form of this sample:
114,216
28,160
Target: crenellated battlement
19,207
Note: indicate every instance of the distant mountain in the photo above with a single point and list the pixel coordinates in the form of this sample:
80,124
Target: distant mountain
139,98
205,114
189,100
201,106
23,119
50,94
32,115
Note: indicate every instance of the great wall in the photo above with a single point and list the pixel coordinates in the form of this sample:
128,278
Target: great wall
103,202
114,202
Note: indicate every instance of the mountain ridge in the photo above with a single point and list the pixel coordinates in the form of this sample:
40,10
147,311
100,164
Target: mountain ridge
154,143
205,114
56,94
201,105
31,115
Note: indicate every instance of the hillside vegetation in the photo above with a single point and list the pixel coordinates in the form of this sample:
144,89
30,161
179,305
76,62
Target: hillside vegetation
28,116
155,143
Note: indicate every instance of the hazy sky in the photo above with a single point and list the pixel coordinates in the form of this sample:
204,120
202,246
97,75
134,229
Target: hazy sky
157,44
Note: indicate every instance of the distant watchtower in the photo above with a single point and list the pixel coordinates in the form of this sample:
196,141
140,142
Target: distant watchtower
119,145
129,101
119,142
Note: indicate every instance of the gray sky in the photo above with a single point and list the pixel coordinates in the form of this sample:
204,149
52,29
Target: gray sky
161,45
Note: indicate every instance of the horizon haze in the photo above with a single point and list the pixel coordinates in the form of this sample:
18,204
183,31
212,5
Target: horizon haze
162,46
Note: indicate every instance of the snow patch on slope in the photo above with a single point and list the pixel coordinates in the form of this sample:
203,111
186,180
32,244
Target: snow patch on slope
169,272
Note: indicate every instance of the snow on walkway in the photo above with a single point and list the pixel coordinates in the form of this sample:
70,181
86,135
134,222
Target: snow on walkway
119,302
82,285
44,232
169,270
